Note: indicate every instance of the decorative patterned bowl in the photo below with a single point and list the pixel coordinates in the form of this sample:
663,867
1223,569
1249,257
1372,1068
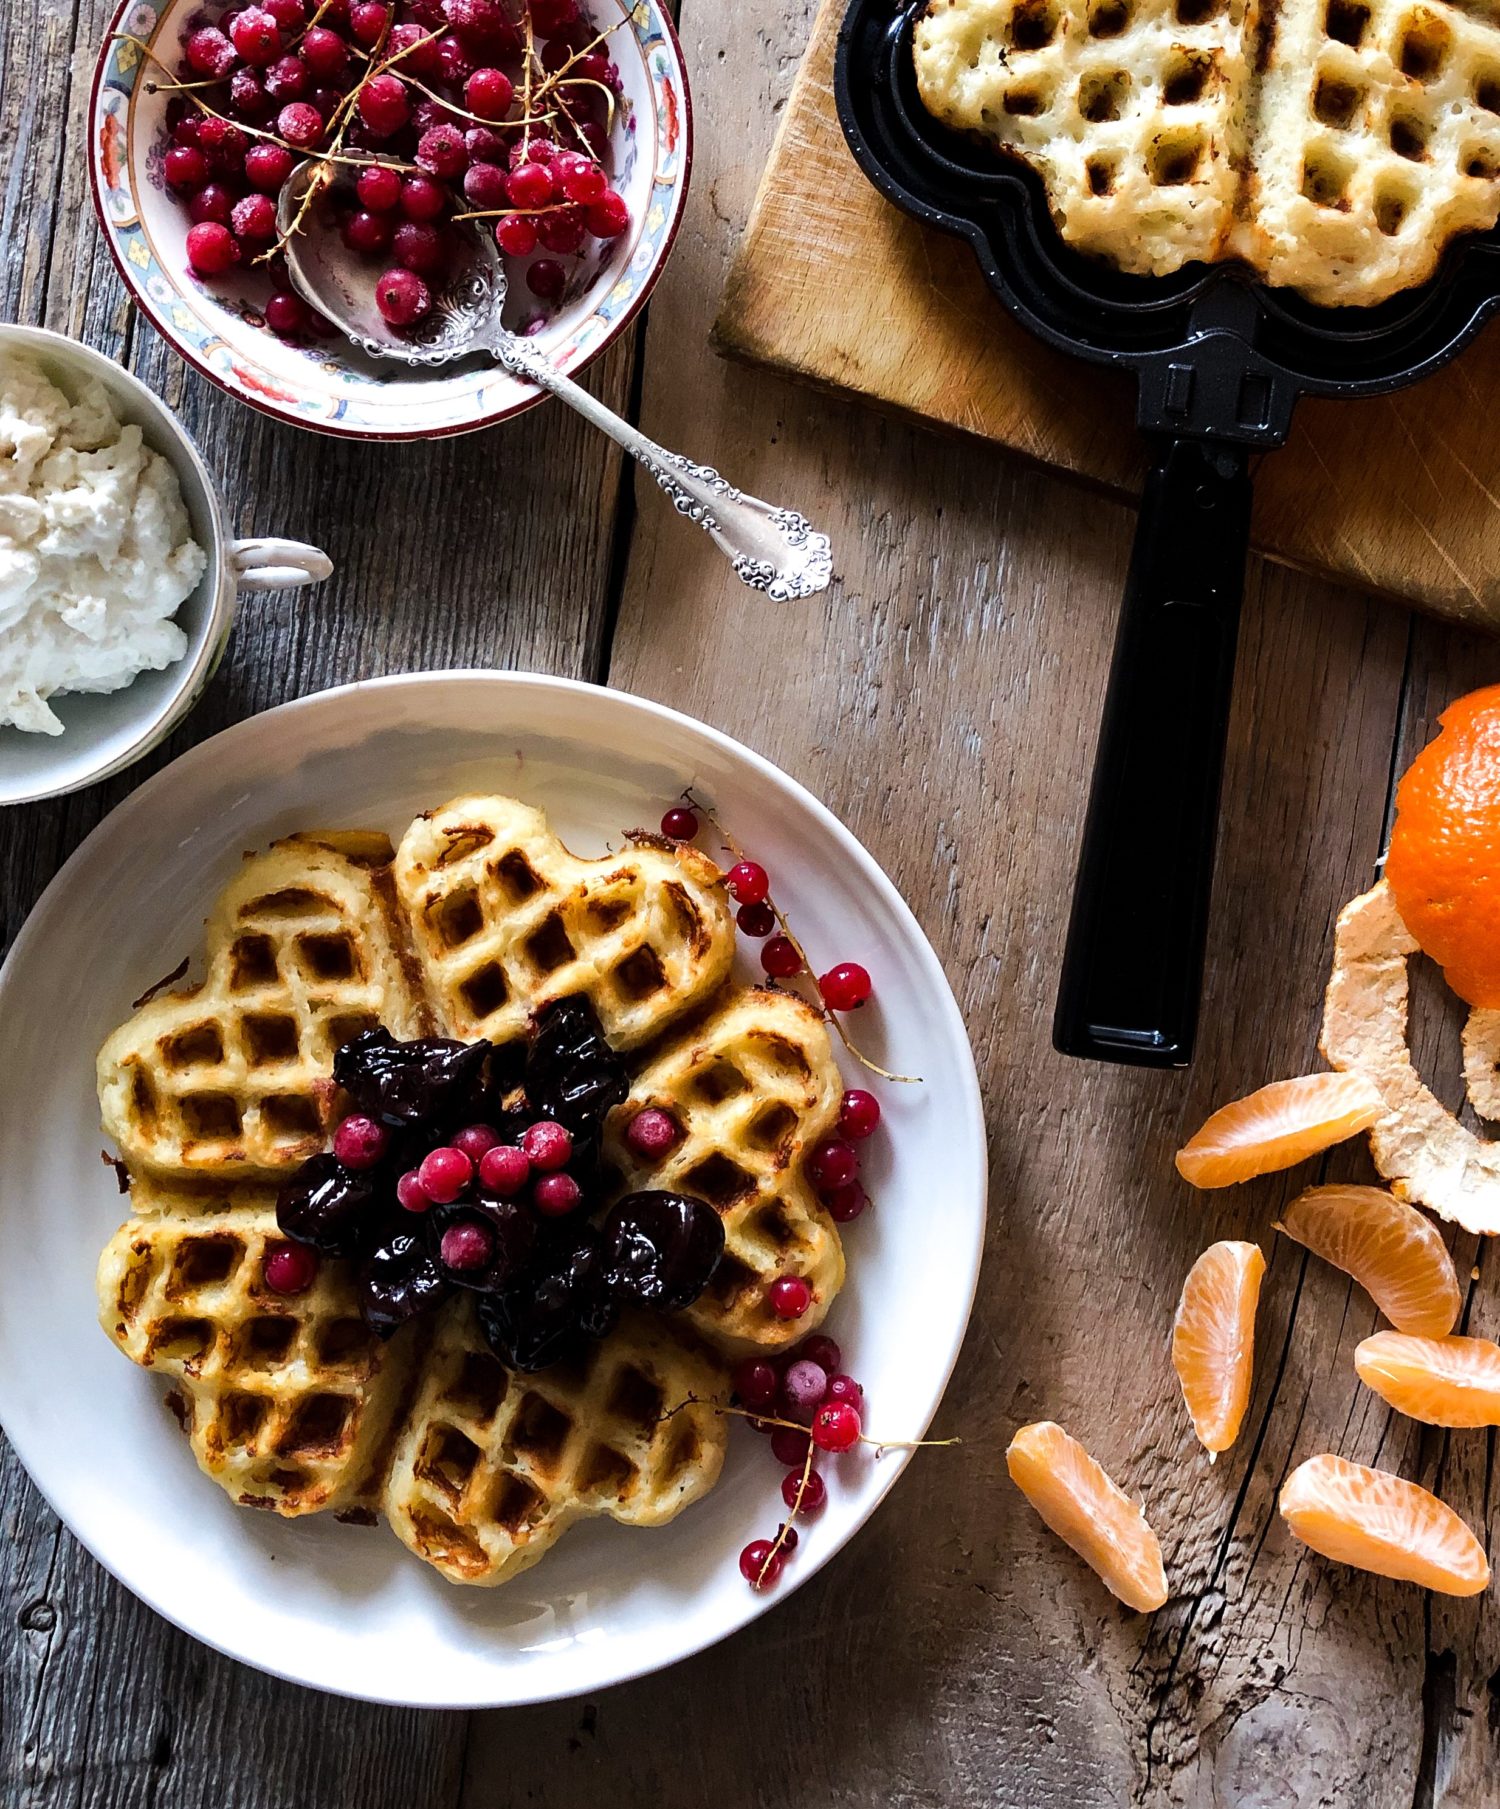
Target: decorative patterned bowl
328,385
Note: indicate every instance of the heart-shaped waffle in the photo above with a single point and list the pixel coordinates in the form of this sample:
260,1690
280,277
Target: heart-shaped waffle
504,920
491,1467
230,1076
215,1090
752,1085
287,1401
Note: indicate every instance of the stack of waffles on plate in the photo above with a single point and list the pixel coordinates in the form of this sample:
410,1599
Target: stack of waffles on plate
1336,146
216,1093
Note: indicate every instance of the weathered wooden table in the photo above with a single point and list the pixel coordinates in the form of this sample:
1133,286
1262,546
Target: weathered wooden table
943,700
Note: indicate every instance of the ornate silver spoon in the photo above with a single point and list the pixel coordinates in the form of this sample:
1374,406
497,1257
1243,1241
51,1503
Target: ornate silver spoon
772,550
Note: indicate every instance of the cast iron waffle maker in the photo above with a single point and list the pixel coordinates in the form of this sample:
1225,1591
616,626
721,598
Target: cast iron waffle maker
1219,360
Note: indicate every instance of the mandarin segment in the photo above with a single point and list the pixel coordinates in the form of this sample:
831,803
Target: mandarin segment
1441,1381
1279,1125
1213,1340
1395,1254
1089,1512
1382,1523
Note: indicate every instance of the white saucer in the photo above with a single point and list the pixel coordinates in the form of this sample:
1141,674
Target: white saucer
346,1608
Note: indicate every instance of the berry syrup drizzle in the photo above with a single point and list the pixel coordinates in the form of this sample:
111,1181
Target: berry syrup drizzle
429,112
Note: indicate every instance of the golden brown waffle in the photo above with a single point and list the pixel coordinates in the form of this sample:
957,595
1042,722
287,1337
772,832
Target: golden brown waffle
505,920
214,1090
490,1467
753,1086
288,1401
230,1076
1335,145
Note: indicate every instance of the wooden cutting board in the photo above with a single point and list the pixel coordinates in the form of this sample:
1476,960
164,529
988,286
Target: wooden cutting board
832,284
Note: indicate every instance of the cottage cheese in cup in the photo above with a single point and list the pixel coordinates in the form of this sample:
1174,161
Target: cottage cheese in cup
96,556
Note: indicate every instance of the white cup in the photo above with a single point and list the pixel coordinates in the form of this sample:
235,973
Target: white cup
104,733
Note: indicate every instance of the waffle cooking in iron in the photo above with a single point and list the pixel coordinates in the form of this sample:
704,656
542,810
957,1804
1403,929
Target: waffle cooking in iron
1336,146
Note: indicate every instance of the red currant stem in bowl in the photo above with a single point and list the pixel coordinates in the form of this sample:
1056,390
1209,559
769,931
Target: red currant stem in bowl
771,1419
773,1556
694,802
558,75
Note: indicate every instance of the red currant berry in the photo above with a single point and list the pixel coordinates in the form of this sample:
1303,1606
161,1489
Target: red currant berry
417,247
859,1114
546,278
789,1445
411,1193
652,1132
845,987
758,1566
367,22
833,1163
845,1203
287,79
300,124
365,231
422,199
807,1495
211,248
417,50
209,52
822,1350
489,93
213,202
254,219
549,17
515,236
547,1146
790,1296
247,95
267,166
485,186
441,151
384,104
787,1537
555,1195
680,824
476,1141
290,15
595,67
256,36
749,883
530,185
485,146
561,230
755,1382
779,958
379,188
846,1389
756,919
504,1170
802,1389
467,1246
360,1142
585,182
185,168
288,315
325,53
445,1173
835,1426
291,1269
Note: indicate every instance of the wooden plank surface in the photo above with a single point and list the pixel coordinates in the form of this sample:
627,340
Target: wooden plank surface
834,286
943,699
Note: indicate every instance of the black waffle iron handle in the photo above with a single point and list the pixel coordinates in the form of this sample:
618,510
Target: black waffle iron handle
1133,967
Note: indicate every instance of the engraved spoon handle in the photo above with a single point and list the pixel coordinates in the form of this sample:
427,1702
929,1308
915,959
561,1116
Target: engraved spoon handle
772,550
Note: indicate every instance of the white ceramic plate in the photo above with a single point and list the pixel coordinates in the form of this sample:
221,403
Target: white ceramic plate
349,1609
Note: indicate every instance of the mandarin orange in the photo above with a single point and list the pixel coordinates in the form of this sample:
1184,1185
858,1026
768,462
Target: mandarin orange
1277,1126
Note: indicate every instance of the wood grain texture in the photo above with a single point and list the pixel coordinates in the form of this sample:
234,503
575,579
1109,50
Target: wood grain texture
943,699
833,285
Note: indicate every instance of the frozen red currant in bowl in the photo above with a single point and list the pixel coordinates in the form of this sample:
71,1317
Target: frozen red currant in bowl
463,128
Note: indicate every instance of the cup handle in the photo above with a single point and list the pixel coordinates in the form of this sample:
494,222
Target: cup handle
277,564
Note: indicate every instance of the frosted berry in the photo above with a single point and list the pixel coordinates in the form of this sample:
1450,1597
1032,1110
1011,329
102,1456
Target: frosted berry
836,1426
300,124
845,987
209,52
651,1133
467,1246
680,823
790,1296
504,1170
547,1146
779,958
833,1163
291,1269
211,248
485,146
561,230
859,1114
287,79
755,1383
555,1195
247,95
267,166
254,219
445,1173
485,186
417,51
807,1495
802,1389
749,883
822,1350
760,1564
256,36
379,188
608,217
417,247
441,151
359,1142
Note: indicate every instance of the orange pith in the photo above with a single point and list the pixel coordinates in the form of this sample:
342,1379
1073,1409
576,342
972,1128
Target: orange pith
1395,1254
1442,1381
1379,1522
1277,1126
1213,1340
1087,1511
1444,860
